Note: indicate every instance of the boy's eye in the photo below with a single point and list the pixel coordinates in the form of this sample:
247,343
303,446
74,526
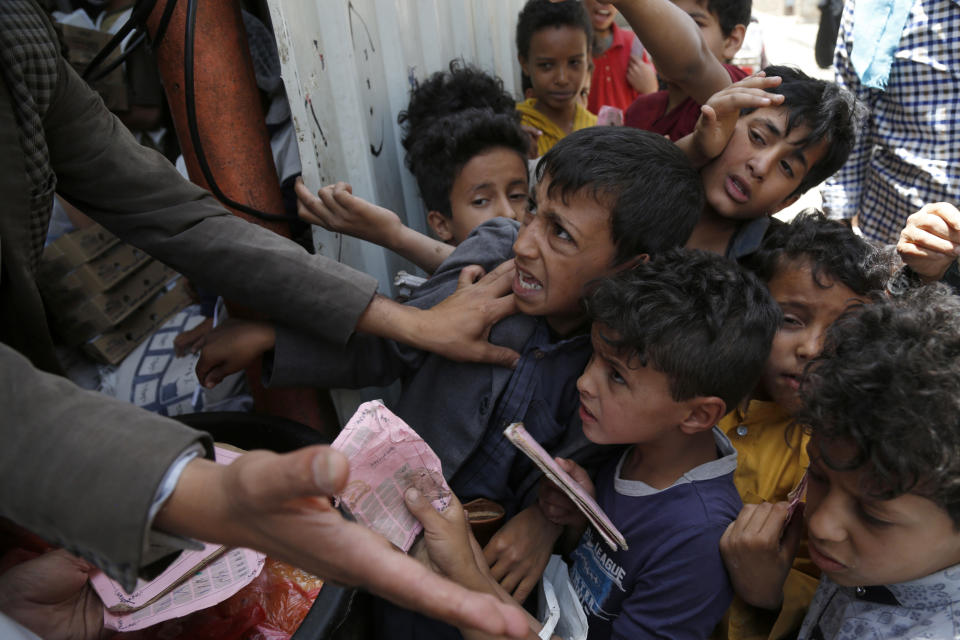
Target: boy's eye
787,169
756,137
615,377
791,321
546,66
561,233
480,202
869,519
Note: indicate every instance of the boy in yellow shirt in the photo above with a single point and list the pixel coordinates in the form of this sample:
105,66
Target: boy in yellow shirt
815,269
553,47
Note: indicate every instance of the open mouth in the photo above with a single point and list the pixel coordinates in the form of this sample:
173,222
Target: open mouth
792,380
525,283
737,189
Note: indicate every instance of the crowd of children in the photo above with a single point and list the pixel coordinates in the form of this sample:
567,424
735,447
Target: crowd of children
693,363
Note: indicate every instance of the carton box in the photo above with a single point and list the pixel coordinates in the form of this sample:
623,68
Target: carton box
73,249
81,318
114,345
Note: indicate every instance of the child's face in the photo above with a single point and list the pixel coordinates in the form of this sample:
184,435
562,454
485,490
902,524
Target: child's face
560,249
556,65
601,15
621,401
724,47
760,167
491,184
808,310
858,540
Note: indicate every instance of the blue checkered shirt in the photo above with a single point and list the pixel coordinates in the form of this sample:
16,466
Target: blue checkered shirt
909,152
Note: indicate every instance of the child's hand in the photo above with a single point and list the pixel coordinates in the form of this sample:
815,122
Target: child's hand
519,552
931,240
555,504
447,541
191,340
718,117
232,346
758,549
335,208
534,134
641,76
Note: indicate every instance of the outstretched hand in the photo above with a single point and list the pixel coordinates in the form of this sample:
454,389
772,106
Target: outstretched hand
719,115
51,596
279,504
931,240
758,550
556,505
518,553
335,208
232,347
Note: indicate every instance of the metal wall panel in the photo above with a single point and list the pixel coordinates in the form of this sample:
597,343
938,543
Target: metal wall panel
348,66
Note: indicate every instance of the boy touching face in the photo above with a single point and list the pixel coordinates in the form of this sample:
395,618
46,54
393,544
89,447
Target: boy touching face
759,161
882,506
553,48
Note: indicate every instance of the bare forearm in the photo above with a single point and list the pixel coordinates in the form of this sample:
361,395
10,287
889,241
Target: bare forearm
676,46
420,249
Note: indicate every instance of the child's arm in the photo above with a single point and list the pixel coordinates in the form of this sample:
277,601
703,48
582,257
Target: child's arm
452,551
335,208
719,115
519,552
931,240
758,550
232,346
676,45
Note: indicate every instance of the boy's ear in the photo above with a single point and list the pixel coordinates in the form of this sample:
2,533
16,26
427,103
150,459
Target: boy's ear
705,412
733,42
440,225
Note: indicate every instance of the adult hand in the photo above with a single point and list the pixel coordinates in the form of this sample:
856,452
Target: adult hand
518,553
51,596
931,240
556,505
232,347
278,504
456,328
758,550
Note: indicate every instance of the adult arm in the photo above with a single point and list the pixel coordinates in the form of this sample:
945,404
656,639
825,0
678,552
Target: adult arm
138,195
676,46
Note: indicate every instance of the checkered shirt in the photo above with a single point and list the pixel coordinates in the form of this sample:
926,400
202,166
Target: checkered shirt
909,152
28,67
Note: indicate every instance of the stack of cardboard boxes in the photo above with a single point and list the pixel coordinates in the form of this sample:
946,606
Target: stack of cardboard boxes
106,296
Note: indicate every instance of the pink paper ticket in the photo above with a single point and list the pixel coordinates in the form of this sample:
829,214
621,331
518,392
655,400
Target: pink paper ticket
386,458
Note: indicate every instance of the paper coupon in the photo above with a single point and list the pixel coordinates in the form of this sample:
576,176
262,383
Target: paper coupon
386,458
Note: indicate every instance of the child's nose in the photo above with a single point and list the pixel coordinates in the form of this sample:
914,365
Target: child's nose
811,342
525,245
824,518
759,165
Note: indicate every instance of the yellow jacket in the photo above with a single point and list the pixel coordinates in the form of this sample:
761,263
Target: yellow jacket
551,132
769,466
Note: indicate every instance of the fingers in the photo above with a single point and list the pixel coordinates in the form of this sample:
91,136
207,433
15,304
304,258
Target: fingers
525,588
269,479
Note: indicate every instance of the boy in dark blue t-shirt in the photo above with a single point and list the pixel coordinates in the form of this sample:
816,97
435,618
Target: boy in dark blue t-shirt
676,341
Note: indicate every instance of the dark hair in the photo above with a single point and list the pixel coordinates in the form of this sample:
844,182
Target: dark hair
887,383
654,195
543,14
696,316
830,111
832,250
730,13
440,151
448,92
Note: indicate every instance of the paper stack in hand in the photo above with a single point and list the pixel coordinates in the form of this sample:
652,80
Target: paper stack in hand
525,442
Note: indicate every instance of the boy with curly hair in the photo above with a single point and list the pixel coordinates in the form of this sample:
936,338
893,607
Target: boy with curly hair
815,269
883,506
